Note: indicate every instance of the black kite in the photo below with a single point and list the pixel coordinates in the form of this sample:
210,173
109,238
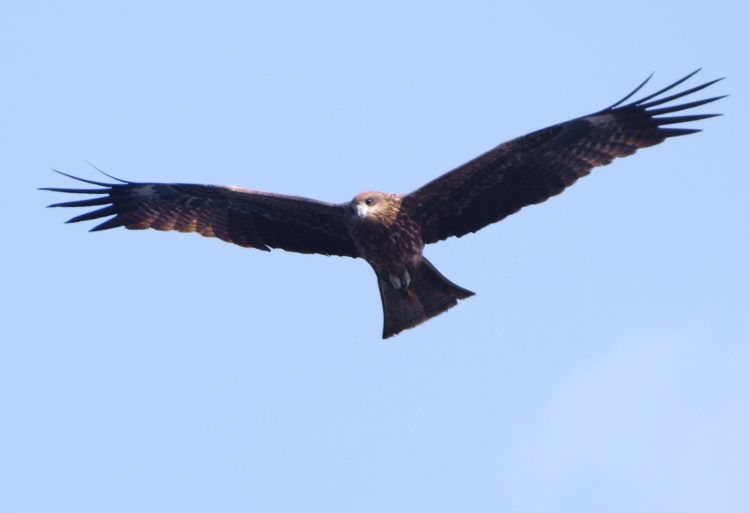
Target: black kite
389,231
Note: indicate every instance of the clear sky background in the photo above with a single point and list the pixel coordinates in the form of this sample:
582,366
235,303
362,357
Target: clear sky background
602,366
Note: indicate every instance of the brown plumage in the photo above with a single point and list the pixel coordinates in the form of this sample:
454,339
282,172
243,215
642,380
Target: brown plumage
389,231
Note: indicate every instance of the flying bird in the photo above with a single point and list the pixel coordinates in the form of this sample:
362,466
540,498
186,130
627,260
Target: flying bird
390,231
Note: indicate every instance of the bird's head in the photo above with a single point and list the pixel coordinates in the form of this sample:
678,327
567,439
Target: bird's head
376,206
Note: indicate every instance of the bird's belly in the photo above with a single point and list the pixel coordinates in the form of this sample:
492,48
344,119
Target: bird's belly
391,251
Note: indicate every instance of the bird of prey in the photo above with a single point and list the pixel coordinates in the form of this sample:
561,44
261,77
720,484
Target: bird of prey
389,231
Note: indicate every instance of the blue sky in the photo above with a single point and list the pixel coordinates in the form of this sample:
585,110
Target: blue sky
602,366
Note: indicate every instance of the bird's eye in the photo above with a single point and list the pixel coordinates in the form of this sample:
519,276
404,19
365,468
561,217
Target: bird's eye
369,202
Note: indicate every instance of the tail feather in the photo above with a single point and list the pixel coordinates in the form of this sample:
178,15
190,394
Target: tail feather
429,294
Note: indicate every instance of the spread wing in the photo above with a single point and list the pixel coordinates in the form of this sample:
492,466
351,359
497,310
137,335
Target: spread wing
244,217
539,165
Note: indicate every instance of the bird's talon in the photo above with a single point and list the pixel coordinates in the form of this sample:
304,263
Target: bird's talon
406,279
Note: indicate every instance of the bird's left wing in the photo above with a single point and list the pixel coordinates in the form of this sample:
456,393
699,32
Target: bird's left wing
241,216
539,165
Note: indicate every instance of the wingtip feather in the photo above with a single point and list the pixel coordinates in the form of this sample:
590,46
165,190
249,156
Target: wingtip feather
93,182
94,214
672,120
75,191
676,132
107,174
631,93
115,222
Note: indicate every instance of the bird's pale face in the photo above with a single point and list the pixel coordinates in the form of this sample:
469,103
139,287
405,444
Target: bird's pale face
376,206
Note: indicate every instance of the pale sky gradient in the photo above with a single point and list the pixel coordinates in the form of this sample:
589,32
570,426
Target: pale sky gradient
602,366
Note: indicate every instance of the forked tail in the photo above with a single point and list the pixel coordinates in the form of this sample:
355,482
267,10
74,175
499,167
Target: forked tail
429,294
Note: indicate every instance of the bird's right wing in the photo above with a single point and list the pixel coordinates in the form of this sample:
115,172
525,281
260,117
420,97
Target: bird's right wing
241,216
